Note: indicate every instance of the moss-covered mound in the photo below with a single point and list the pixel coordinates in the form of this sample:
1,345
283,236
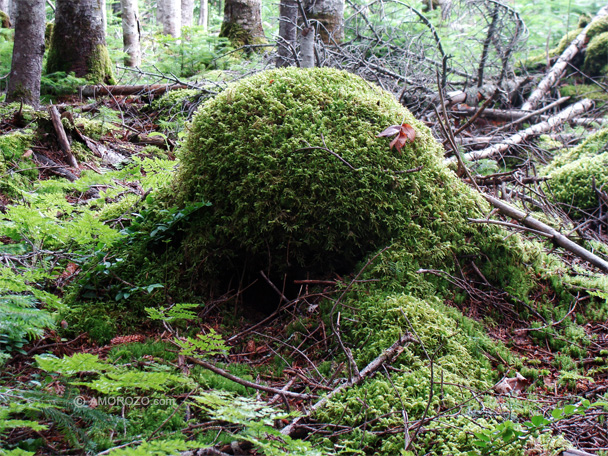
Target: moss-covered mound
573,173
290,161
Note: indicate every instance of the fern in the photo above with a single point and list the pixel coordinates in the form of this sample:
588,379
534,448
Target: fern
208,344
21,321
70,365
157,448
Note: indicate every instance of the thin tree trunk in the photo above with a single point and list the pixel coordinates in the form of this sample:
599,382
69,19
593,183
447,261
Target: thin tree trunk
187,12
4,6
307,47
26,66
131,32
104,17
203,14
78,43
242,23
288,30
170,17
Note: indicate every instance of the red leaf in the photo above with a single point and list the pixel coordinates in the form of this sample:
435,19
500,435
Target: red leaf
390,131
405,133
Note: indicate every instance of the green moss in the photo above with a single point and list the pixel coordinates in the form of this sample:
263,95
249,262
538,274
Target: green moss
100,69
596,55
597,27
5,21
12,148
580,91
238,36
48,33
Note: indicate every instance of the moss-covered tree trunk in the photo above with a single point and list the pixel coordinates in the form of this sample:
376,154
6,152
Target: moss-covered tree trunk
131,32
330,13
169,16
78,43
4,14
187,13
26,66
243,22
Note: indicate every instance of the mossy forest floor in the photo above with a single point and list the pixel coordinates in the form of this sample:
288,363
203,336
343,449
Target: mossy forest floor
93,363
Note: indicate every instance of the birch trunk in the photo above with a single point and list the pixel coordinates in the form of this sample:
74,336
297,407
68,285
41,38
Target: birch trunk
242,23
26,66
203,14
187,12
78,43
131,32
169,15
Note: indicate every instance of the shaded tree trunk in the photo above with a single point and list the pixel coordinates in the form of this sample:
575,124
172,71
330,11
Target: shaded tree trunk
26,66
131,32
288,30
330,14
169,15
243,22
187,13
203,14
78,43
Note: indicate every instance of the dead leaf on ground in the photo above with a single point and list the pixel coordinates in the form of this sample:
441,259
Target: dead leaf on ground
405,133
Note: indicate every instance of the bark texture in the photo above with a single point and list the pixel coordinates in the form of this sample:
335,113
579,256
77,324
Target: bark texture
203,14
4,6
288,30
243,22
330,15
26,66
187,12
131,32
169,15
78,43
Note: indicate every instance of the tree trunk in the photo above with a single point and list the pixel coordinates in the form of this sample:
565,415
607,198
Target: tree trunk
243,22
169,16
78,43
131,32
330,14
4,6
26,66
288,30
203,14
187,12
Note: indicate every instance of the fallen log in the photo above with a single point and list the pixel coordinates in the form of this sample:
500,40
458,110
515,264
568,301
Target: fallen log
559,68
535,130
62,138
508,115
387,355
52,167
559,239
155,89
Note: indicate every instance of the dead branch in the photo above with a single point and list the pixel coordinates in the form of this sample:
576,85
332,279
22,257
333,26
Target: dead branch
146,89
386,356
246,383
62,138
54,168
559,68
539,226
535,130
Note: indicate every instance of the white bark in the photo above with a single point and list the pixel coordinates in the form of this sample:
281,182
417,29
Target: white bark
203,14
187,7
131,32
169,15
26,65
535,130
4,6
559,68
307,47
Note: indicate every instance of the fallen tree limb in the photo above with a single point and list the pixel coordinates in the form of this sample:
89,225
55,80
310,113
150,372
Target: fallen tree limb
156,89
54,168
386,356
547,231
62,138
535,130
559,68
246,383
509,115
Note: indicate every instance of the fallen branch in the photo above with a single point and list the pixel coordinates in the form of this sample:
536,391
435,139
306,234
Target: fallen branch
246,383
546,230
535,130
386,356
54,168
559,68
62,138
146,89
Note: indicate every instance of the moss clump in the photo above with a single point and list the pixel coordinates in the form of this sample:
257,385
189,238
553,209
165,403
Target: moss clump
572,184
296,176
5,20
596,55
580,91
12,148
597,27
